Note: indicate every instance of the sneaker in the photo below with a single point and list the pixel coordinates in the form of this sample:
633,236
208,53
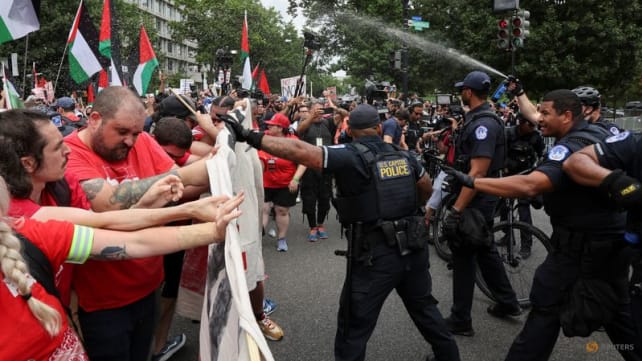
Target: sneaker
312,236
321,233
272,233
459,327
282,246
170,348
298,199
269,306
503,311
270,329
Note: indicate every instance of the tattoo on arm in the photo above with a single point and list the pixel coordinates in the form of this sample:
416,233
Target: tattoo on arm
92,187
128,193
112,253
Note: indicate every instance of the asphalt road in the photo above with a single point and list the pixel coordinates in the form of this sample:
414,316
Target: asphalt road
306,281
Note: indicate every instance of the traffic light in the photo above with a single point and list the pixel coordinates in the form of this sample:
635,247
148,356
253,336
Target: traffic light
503,34
394,59
520,26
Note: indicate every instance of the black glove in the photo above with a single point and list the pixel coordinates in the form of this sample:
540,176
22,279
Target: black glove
517,89
242,134
625,191
450,226
460,177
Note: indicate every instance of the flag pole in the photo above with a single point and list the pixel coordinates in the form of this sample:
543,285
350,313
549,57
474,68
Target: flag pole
64,52
24,68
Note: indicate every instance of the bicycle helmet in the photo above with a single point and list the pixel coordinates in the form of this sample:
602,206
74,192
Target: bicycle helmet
588,96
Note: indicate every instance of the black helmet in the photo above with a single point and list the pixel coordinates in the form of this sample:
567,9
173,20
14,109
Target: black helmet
588,95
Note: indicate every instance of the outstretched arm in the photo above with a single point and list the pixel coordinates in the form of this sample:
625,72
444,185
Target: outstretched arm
584,168
115,245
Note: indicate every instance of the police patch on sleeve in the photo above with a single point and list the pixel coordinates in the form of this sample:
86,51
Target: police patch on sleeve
618,137
481,132
614,130
559,152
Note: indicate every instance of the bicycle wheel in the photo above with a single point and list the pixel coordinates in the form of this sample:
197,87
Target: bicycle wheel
440,242
509,239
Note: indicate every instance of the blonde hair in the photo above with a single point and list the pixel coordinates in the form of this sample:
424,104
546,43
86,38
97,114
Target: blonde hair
15,269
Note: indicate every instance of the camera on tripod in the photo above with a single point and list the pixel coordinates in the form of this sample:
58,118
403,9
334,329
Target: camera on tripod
311,40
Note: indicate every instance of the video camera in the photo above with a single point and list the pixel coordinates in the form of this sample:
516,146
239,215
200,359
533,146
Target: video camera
311,40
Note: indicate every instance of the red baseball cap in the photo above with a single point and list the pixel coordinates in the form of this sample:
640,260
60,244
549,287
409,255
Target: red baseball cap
279,119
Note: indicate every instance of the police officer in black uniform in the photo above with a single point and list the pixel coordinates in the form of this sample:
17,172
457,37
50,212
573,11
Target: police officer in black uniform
592,167
587,240
591,108
525,146
379,190
479,151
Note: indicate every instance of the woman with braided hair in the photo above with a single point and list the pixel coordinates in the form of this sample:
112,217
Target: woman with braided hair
33,320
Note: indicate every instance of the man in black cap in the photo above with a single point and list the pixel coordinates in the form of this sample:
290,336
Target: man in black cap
379,190
479,151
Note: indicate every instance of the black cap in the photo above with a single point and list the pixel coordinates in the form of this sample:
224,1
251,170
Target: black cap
172,107
364,116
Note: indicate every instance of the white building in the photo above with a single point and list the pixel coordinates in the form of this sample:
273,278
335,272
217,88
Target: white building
179,57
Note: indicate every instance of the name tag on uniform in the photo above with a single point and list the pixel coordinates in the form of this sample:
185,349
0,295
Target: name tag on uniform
319,142
389,169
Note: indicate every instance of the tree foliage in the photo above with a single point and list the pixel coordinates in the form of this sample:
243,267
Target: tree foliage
596,42
217,24
46,46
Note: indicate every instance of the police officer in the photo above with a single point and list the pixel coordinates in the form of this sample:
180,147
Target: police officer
379,190
587,239
591,167
479,151
591,108
525,146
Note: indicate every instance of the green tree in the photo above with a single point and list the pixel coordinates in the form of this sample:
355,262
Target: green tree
46,46
273,43
593,42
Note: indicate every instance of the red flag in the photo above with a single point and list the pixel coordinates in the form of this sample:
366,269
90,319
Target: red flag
263,83
90,93
255,73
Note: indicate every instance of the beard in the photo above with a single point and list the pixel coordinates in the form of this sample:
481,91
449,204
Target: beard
114,154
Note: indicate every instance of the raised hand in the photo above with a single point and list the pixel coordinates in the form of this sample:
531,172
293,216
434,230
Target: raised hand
225,213
461,177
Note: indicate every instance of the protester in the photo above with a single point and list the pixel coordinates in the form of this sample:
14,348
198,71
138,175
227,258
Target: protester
280,181
34,322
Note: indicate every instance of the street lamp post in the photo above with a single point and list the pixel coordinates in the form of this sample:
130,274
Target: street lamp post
404,52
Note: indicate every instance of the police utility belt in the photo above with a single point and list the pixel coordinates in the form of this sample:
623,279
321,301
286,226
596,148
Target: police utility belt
407,234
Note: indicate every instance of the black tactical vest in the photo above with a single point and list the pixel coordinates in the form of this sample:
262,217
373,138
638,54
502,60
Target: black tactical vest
391,192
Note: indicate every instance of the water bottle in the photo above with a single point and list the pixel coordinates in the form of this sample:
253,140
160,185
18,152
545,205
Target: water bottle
501,89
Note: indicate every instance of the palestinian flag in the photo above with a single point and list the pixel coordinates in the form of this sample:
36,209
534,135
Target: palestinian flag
17,19
83,47
13,100
245,57
105,47
147,62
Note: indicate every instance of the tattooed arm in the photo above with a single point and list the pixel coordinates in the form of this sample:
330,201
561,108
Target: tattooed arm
106,197
115,245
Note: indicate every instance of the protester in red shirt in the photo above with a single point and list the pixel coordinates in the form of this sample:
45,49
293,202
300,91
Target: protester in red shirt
280,182
33,320
116,164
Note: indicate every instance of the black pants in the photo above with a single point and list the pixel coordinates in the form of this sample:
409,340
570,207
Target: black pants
123,334
491,267
316,190
538,337
371,285
636,297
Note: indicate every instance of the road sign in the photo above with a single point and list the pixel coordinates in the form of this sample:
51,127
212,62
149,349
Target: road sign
418,24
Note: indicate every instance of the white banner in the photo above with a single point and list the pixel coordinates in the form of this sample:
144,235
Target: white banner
288,86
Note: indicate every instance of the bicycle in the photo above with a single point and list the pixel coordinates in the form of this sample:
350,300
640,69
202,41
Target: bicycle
508,237
434,163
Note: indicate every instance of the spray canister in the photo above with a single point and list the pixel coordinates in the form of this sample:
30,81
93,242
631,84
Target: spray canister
501,89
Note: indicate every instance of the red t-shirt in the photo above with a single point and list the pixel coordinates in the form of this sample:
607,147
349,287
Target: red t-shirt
277,172
27,208
21,335
105,285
